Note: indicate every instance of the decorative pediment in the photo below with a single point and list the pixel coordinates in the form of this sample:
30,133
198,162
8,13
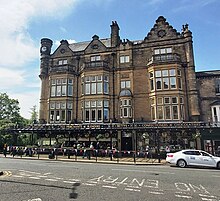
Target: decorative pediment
95,45
63,49
162,30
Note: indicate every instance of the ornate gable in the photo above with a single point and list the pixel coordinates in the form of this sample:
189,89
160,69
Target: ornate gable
63,50
95,45
162,30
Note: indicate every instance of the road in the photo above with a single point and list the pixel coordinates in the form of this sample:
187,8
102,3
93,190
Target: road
36,180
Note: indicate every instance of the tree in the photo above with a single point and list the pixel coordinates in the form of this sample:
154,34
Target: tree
9,117
34,114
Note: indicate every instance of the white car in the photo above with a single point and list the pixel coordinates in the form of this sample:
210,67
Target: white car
193,157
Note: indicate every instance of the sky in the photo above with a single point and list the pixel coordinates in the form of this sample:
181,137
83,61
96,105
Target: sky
25,22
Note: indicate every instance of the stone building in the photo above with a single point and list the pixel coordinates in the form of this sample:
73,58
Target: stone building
114,81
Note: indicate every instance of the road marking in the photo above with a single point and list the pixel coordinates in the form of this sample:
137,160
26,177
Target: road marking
88,184
207,199
58,178
29,172
156,192
47,173
74,179
109,186
19,176
143,171
51,180
210,196
34,178
42,176
184,196
131,189
69,182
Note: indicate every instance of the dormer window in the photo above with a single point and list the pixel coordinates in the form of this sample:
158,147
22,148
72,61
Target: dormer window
163,51
62,62
217,86
95,58
124,59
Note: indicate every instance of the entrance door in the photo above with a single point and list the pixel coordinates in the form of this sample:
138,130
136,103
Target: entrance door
126,143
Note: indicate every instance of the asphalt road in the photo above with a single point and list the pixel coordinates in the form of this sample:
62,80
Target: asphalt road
34,180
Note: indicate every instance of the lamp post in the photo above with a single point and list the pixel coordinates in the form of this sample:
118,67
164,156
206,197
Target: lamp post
111,138
134,140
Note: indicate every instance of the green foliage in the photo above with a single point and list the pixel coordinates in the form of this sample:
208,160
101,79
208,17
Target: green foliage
9,118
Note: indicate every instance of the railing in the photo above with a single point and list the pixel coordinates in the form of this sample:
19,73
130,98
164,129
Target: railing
164,58
62,68
95,155
94,64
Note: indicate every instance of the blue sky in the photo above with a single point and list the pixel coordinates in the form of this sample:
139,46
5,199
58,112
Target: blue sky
24,23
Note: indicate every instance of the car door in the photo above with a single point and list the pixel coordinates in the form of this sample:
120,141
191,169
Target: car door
207,159
193,157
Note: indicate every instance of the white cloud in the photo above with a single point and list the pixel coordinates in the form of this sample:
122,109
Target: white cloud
18,49
26,102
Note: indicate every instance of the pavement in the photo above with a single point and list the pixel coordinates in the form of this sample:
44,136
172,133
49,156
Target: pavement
106,160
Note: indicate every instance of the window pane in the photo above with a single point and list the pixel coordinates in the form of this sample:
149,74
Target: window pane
99,115
70,90
62,115
160,112
173,82
52,115
165,73
151,84
93,88
122,84
65,61
99,87
162,51
158,83
52,105
166,100
126,59
99,103
167,112
63,105
169,50
87,115
152,113
93,103
166,83
99,77
122,60
69,105
158,73
181,100
106,103
157,51
63,81
128,84
53,82
53,90
57,115
180,83
58,81
172,72
70,81
174,100
106,114
87,88
63,90
125,112
69,114
58,91
175,112
106,87
93,115
57,105
87,104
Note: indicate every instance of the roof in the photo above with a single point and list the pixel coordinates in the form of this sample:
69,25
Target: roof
208,73
75,47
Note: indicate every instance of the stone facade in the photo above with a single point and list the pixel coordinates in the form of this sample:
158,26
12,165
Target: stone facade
114,80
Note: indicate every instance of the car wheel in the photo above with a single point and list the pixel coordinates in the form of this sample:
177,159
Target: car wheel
218,165
181,163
